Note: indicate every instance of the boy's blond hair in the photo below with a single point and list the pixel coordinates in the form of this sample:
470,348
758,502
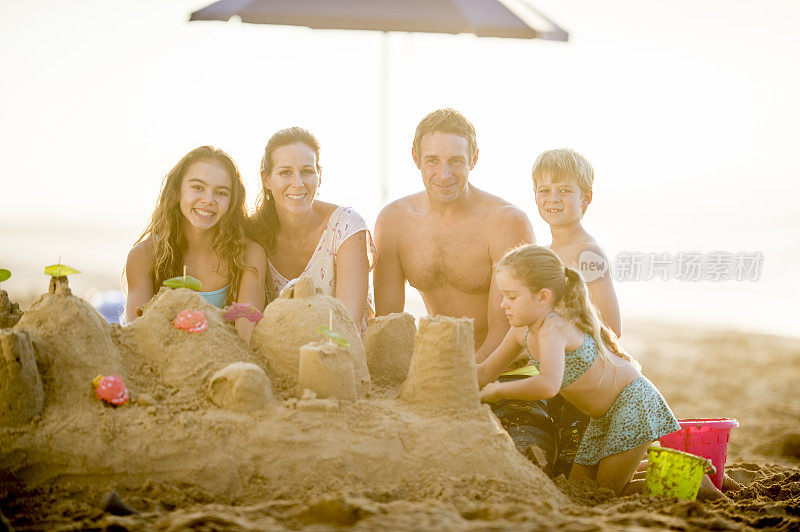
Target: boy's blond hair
564,165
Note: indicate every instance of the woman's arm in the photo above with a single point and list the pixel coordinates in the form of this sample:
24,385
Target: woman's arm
500,359
352,275
252,289
137,276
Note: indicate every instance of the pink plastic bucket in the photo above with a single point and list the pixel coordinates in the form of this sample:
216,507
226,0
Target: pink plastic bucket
704,437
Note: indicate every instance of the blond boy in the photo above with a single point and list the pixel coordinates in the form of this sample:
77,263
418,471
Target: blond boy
562,182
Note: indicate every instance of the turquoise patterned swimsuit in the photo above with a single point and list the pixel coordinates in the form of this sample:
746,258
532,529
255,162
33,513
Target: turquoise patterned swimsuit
575,362
638,416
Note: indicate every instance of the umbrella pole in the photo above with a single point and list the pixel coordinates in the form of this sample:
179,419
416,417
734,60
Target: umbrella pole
384,118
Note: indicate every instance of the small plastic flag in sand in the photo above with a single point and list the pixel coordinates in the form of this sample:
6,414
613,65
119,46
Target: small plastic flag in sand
332,336
241,310
184,281
111,389
59,270
191,321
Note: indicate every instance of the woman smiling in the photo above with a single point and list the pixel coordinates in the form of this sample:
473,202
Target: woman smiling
304,236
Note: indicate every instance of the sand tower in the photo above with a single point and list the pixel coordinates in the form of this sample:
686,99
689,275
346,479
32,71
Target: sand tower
442,372
327,370
21,395
72,345
184,360
9,312
389,345
290,322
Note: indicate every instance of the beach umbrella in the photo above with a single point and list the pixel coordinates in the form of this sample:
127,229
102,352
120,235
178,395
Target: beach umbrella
484,18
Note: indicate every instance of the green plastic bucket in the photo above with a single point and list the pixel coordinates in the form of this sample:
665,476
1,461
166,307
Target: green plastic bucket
672,473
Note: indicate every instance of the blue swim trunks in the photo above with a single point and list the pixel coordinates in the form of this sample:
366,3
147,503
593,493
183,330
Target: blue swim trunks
639,415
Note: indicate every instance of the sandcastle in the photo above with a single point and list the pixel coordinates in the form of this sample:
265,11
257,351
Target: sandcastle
210,411
290,322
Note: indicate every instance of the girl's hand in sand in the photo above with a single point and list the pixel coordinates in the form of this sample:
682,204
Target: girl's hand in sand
491,392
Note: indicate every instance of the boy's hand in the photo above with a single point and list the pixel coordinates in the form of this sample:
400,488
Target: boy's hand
491,392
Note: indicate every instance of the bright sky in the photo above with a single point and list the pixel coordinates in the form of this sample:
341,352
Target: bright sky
688,111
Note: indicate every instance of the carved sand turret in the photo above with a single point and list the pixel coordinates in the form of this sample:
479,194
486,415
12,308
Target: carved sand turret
290,322
73,345
442,372
241,387
389,345
327,370
9,312
21,395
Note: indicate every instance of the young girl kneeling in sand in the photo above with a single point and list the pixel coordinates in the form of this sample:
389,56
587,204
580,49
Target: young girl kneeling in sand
199,223
579,358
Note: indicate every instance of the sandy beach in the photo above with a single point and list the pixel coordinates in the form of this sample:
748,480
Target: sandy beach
384,461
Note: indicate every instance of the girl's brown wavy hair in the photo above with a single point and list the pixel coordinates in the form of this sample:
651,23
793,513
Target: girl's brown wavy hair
167,223
539,267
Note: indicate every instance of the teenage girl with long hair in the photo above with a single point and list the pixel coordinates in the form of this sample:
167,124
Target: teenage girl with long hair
199,223
553,321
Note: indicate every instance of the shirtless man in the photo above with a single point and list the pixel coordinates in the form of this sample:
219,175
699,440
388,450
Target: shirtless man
445,239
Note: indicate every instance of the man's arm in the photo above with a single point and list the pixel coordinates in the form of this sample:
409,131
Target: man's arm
388,277
511,228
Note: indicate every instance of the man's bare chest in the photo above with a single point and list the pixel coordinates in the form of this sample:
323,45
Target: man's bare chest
437,257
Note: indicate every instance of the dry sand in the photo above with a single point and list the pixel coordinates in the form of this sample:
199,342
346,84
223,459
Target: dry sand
216,438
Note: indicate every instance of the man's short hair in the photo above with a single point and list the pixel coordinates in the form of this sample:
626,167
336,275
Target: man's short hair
564,165
446,121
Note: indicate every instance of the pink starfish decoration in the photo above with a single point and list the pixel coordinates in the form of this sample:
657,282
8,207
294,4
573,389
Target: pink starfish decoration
241,310
191,321
111,389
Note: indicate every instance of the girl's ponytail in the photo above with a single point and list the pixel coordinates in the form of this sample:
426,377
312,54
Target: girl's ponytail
579,309
539,267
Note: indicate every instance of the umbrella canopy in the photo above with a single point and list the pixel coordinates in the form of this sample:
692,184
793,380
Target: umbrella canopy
484,18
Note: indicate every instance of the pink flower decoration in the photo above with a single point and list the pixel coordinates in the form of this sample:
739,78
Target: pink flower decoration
191,321
111,389
240,310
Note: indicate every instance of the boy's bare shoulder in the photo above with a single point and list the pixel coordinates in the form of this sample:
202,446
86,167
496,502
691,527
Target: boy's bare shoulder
572,253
